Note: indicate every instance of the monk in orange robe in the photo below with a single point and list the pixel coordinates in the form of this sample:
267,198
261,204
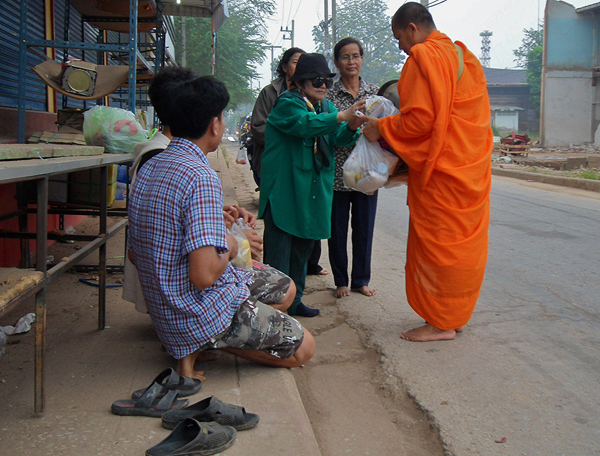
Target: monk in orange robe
443,133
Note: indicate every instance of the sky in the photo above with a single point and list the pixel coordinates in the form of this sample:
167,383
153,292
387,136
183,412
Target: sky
461,20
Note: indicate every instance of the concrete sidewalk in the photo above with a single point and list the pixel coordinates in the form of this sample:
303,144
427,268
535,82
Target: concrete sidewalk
86,370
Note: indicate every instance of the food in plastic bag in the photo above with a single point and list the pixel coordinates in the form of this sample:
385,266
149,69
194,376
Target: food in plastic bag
241,157
243,259
379,107
114,129
368,166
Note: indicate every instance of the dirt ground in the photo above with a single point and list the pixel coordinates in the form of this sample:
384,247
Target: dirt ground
344,388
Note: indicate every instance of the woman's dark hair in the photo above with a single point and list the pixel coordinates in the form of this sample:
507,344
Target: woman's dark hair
161,86
345,42
287,55
194,104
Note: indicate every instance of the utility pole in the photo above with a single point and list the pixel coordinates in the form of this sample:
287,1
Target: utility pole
326,26
183,42
272,58
485,48
425,3
333,22
291,32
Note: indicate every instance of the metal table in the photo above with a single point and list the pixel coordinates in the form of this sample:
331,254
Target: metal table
40,170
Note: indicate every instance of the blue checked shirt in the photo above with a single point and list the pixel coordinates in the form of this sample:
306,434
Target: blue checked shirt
176,207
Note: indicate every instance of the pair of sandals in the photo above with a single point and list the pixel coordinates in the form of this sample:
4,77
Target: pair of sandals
207,427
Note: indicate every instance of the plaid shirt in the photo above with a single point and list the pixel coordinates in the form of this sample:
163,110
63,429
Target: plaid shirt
176,207
342,99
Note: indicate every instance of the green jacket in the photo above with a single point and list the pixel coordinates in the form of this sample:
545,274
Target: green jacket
300,197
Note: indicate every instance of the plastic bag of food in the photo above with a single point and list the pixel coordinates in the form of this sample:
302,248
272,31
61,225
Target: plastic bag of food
114,129
368,166
379,107
243,259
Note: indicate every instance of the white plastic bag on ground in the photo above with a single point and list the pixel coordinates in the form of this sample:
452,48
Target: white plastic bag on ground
368,167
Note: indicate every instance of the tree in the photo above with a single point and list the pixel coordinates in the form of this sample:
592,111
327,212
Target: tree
529,57
239,46
369,23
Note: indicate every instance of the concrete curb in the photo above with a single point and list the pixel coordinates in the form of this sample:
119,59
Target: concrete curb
270,392
573,182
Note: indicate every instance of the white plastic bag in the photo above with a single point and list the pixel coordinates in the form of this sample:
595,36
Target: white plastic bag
243,259
241,157
377,106
368,166
112,128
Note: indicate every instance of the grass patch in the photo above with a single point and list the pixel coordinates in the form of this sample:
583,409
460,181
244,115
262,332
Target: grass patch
587,174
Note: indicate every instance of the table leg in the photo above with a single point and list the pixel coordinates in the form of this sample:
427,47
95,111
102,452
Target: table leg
102,249
40,297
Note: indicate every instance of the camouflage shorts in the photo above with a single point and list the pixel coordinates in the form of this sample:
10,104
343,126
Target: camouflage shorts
258,326
268,285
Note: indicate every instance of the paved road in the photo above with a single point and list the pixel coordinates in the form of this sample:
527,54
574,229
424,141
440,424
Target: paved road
528,366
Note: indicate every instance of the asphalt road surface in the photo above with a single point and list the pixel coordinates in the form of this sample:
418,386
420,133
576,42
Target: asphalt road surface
524,377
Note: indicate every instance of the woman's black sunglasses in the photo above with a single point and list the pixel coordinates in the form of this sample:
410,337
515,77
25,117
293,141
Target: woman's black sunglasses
319,81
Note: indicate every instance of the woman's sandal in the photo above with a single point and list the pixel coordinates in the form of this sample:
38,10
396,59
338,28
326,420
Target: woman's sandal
192,438
212,409
171,380
155,401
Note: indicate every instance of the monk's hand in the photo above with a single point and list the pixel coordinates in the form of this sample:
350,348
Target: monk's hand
256,243
370,129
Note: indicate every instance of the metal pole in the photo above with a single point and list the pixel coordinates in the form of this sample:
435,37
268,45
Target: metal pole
133,40
326,26
22,75
425,3
183,43
333,22
292,34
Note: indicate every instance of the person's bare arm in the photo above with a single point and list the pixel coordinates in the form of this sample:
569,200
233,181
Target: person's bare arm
206,265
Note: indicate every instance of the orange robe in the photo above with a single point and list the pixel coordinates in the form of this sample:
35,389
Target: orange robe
443,133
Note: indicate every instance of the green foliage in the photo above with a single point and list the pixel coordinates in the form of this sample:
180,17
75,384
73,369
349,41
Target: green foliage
369,23
534,76
533,38
495,131
239,46
529,56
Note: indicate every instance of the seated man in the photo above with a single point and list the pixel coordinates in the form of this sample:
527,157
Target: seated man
268,285
179,242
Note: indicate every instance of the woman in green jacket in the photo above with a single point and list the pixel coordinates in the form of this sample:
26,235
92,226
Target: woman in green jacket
296,190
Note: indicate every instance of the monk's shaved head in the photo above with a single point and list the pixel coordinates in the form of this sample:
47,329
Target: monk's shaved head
415,13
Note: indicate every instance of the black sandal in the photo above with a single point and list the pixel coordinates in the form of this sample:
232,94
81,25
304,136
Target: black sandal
212,409
155,401
192,438
184,386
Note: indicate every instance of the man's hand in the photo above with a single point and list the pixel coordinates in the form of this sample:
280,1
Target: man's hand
256,243
235,212
233,246
370,129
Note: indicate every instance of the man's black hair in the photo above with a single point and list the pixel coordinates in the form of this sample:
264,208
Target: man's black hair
287,55
161,88
415,13
194,104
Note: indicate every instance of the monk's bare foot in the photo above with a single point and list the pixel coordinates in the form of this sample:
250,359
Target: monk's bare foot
340,292
367,291
185,366
459,330
428,333
324,272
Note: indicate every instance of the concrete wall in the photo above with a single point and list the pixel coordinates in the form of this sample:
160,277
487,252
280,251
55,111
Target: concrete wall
568,108
568,96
